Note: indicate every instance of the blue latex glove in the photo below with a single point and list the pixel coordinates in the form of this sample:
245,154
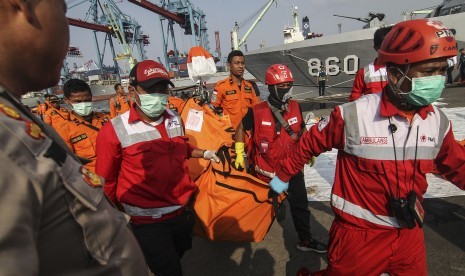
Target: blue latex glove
278,185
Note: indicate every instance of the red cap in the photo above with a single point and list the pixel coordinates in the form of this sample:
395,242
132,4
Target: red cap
147,73
417,40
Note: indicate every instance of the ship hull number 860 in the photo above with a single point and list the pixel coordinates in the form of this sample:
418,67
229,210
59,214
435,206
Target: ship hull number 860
334,65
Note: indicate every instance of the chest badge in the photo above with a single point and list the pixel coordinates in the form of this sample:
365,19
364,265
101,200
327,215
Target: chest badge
34,131
91,178
10,112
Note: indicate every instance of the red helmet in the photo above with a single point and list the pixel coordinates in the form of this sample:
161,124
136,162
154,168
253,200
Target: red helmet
278,73
417,40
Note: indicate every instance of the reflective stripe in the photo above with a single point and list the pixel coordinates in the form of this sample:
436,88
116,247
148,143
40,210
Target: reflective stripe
367,133
444,125
149,212
372,75
130,134
358,212
350,116
265,173
126,138
387,153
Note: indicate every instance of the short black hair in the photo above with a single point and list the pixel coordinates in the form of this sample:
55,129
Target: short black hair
234,53
379,36
116,86
75,85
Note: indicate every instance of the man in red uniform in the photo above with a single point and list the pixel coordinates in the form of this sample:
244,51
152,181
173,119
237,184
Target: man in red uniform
119,103
371,78
142,154
234,94
276,126
387,142
81,129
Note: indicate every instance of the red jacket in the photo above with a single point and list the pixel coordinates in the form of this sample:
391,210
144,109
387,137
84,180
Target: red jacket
366,168
268,145
370,79
145,165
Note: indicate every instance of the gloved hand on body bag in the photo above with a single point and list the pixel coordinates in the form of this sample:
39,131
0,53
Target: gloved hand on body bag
210,155
278,186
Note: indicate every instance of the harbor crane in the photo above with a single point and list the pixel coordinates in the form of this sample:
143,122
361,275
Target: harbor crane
183,13
236,42
104,16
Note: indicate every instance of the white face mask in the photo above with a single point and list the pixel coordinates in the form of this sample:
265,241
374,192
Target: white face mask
83,108
153,105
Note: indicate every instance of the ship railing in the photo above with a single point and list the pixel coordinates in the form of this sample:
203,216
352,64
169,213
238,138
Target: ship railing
109,82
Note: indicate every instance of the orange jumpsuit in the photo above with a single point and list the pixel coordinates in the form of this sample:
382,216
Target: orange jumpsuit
56,117
118,105
41,109
234,100
176,104
81,136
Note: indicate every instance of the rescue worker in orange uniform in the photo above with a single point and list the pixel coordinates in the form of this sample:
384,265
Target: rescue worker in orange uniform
371,78
55,115
119,103
234,94
81,129
41,109
175,104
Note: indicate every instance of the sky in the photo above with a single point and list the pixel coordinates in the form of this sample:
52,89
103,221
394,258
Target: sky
222,14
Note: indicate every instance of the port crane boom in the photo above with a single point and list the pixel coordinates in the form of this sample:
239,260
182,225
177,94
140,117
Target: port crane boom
235,39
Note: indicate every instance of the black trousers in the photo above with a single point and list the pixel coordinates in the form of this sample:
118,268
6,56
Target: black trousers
321,87
298,203
449,75
164,243
462,73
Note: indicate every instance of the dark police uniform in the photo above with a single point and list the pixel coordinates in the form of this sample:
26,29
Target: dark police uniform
55,219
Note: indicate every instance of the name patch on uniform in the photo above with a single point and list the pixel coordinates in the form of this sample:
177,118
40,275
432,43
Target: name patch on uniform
266,123
78,138
292,121
373,140
232,92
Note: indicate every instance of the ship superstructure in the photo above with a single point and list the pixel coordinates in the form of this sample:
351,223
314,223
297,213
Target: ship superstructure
342,54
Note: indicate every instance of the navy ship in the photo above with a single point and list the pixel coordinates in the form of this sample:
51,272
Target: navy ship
342,54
